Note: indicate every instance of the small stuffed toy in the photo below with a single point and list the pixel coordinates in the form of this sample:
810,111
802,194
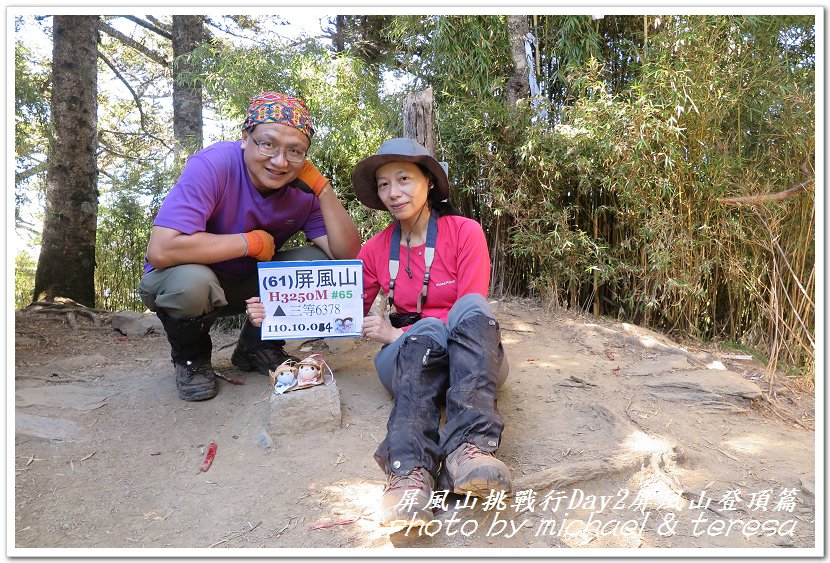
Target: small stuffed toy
284,377
309,371
312,371
290,376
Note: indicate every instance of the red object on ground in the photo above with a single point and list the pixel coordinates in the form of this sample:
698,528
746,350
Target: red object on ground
337,522
230,379
211,453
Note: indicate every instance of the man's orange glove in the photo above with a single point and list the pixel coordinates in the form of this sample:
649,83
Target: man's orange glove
310,180
259,244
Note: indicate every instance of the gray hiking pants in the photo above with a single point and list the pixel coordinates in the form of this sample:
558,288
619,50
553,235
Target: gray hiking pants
469,305
458,365
189,291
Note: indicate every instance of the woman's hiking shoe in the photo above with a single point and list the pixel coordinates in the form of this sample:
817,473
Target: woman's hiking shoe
406,498
472,470
195,380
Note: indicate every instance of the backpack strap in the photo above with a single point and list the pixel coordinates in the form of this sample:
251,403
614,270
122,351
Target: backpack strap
395,254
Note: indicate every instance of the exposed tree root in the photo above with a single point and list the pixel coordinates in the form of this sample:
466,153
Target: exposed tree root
70,309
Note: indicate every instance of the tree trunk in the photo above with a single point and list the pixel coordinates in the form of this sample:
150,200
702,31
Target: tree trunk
517,86
517,83
338,38
66,265
418,119
188,33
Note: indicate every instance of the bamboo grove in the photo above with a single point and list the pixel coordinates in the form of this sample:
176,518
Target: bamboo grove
611,196
634,183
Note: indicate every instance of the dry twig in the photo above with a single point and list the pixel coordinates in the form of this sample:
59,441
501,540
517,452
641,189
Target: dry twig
251,528
766,198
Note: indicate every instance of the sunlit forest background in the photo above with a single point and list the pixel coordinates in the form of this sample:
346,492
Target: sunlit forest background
654,169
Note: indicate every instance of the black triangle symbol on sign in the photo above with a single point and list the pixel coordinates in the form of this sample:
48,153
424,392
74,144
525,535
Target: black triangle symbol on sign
279,312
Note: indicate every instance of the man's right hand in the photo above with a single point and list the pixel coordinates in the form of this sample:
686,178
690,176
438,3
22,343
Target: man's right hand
255,310
310,180
260,245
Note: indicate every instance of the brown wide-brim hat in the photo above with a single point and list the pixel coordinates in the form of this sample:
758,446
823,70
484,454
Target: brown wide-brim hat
409,150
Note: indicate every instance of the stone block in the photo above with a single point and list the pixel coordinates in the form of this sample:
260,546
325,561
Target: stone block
704,385
66,396
134,324
75,364
53,429
340,345
313,409
660,364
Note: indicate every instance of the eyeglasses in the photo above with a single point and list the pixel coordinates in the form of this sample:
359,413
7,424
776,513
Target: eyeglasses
265,148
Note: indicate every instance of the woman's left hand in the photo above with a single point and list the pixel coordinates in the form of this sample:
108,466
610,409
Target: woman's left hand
378,328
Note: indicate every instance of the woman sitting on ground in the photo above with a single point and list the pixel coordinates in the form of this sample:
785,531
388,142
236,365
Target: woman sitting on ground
441,344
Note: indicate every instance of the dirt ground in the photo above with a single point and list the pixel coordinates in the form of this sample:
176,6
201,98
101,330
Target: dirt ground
617,437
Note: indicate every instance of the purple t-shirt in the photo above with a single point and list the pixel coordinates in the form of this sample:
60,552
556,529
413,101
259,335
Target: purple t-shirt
214,194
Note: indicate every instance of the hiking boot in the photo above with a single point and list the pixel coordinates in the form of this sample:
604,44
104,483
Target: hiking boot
405,499
254,354
263,358
472,470
195,380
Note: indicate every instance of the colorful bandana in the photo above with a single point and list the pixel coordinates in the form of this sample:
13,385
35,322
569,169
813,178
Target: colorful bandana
274,107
